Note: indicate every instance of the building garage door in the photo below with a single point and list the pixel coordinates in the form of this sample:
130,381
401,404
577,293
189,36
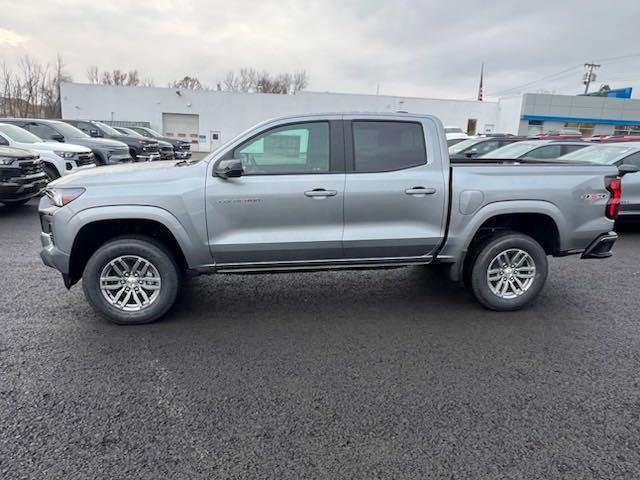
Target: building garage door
181,126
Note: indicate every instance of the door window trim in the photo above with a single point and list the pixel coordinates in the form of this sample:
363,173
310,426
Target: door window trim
336,148
349,145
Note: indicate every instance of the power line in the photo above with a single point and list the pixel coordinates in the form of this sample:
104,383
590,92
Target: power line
548,77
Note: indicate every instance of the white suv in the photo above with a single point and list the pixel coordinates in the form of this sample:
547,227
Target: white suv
59,158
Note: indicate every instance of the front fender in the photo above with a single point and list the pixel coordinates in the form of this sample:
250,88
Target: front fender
194,256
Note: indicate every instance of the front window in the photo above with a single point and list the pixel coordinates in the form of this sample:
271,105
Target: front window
107,129
301,148
69,131
514,150
18,134
599,153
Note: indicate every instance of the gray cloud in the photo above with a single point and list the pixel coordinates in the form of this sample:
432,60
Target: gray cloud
409,47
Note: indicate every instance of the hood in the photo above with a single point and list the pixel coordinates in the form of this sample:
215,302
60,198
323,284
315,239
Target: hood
19,153
98,142
144,173
57,147
135,140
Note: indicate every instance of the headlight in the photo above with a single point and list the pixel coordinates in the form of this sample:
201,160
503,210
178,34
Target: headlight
63,196
6,160
65,154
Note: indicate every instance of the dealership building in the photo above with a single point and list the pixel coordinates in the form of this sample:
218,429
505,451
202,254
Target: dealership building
209,118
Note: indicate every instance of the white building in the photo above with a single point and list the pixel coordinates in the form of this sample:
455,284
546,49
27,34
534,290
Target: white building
209,118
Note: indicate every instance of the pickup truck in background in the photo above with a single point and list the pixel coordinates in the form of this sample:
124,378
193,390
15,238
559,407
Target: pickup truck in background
326,191
58,158
141,149
22,176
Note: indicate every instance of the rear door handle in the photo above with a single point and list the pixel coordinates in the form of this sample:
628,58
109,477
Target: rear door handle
420,191
321,192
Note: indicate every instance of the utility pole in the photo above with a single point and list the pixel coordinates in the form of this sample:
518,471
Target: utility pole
589,76
481,86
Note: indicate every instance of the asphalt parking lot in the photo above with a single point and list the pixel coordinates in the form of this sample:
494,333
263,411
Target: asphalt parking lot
383,374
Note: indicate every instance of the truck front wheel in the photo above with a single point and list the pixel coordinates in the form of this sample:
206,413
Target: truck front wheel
508,271
131,280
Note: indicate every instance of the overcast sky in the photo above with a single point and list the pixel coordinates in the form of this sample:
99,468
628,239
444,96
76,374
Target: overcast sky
409,47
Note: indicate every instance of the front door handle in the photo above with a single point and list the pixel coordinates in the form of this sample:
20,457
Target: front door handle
420,191
320,192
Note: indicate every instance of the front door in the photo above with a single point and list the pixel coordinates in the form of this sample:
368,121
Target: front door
287,207
395,195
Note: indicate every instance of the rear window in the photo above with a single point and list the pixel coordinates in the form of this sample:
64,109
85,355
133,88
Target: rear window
386,146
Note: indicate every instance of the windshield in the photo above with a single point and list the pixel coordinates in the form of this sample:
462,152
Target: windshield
18,134
128,131
514,150
460,146
153,132
599,153
68,131
107,129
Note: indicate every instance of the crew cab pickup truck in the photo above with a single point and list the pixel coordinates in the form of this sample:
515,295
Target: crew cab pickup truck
326,191
22,176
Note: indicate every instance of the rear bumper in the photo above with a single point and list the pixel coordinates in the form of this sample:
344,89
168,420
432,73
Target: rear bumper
601,246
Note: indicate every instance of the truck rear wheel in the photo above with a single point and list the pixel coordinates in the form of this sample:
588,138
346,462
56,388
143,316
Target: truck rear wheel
508,271
131,280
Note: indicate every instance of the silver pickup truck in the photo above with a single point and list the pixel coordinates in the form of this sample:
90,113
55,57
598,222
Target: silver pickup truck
328,191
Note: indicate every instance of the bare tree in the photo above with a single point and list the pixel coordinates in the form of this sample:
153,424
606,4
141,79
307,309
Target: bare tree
300,81
93,74
188,83
250,80
133,78
106,78
119,77
147,82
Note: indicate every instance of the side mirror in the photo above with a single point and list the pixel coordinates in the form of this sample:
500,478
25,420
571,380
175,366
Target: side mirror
626,168
231,168
58,137
94,133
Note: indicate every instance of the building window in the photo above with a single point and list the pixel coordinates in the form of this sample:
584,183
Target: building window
627,130
585,128
535,127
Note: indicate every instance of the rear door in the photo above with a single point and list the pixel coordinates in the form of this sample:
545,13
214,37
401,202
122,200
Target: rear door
395,193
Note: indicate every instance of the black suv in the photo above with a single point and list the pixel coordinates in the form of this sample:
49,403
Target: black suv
166,149
22,175
181,148
141,149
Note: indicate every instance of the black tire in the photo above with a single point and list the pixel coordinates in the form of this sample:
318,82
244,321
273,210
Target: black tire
51,172
151,251
488,251
99,159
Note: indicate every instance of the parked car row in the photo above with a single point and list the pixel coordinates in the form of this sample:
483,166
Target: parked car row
62,147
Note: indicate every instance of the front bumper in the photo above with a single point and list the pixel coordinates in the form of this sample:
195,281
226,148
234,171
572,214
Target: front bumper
22,188
118,158
147,157
167,155
183,154
601,246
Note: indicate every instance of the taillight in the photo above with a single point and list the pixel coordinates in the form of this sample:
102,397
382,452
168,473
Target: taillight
613,205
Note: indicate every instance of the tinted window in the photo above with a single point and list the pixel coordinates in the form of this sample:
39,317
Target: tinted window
84,126
300,148
43,131
571,148
633,160
385,146
485,147
548,151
